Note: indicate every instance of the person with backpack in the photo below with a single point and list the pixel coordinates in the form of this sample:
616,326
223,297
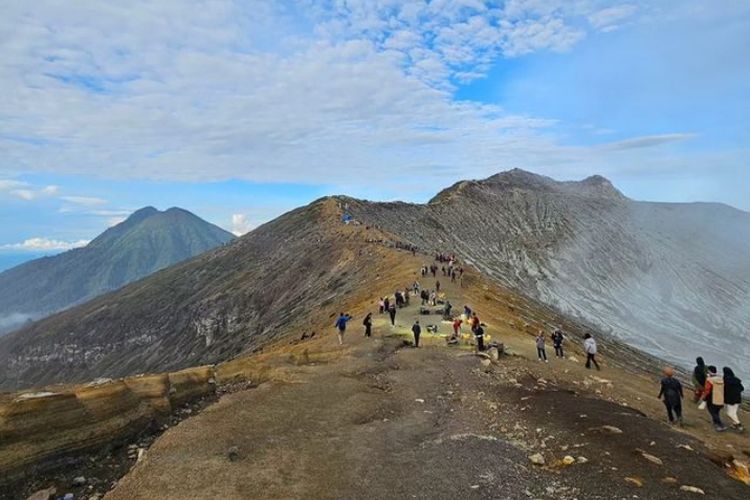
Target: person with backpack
368,325
392,314
699,378
589,346
557,341
733,397
541,351
417,331
713,398
341,326
671,391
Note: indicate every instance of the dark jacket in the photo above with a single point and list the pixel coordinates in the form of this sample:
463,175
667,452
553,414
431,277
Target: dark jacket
671,389
416,329
733,390
699,375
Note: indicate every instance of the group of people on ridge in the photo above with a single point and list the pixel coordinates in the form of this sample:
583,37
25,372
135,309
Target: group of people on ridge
710,390
557,337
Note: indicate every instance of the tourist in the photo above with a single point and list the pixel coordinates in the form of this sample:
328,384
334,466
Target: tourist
557,341
392,313
341,326
589,345
733,397
541,351
699,378
381,306
671,391
457,327
387,304
368,325
416,330
479,337
713,398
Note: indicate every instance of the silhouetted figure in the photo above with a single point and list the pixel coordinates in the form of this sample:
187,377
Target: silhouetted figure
416,330
671,391
392,313
368,325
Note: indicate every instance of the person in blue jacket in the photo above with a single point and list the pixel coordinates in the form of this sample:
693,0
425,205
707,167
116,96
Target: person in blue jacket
341,326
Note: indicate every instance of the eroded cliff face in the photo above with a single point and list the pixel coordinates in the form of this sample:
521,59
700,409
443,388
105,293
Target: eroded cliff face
51,425
672,279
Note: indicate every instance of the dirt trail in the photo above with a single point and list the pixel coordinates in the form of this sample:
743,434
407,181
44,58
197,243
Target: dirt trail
388,421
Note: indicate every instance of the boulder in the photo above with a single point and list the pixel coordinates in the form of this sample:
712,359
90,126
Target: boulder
537,459
45,494
692,489
79,481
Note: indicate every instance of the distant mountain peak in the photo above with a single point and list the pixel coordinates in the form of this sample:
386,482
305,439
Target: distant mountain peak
595,186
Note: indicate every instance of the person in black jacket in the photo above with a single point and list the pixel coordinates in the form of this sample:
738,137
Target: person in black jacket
368,325
733,397
416,330
671,391
700,373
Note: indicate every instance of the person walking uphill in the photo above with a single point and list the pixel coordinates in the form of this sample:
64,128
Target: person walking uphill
733,397
541,351
699,378
713,398
341,326
589,345
417,331
671,391
368,325
392,314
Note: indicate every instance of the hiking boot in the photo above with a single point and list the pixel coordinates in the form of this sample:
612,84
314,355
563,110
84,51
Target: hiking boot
720,428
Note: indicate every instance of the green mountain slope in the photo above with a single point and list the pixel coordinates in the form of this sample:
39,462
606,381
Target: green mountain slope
149,240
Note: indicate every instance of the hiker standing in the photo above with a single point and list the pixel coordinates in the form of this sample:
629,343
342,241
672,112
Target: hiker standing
387,304
474,322
433,298
733,397
541,351
479,337
589,345
381,306
368,325
392,313
416,330
557,341
467,313
699,378
437,286
341,326
447,308
713,398
671,391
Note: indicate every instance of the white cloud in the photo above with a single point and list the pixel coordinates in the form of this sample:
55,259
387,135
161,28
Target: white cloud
609,18
240,224
43,245
647,141
86,201
25,191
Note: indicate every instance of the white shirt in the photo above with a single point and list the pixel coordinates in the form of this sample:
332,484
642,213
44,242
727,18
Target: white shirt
589,345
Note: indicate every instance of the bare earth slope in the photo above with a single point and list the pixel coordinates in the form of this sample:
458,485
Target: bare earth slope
381,421
211,308
672,279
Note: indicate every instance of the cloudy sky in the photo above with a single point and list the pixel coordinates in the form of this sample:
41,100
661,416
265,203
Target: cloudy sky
240,110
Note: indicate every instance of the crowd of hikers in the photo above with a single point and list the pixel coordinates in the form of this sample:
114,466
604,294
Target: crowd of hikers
712,391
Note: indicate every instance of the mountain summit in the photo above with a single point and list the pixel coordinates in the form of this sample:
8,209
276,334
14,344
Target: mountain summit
145,242
517,179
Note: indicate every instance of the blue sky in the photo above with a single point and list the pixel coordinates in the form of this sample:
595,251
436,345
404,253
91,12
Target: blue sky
239,111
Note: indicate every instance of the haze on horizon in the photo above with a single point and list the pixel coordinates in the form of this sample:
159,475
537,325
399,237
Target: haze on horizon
239,111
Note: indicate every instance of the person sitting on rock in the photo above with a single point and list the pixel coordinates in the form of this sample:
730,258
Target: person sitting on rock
671,391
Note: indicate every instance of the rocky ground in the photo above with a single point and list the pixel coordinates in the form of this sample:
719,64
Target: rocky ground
383,420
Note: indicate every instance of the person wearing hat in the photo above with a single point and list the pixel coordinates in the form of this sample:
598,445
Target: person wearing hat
671,391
